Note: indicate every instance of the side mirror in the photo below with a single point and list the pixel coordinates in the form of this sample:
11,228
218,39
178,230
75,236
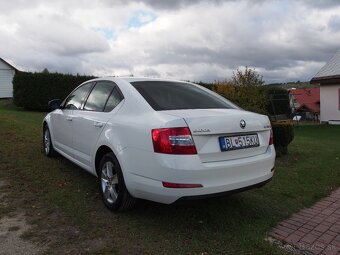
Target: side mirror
54,104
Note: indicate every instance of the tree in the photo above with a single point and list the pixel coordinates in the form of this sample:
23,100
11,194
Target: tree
245,89
45,71
247,78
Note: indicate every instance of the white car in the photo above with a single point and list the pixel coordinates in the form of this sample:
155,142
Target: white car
160,140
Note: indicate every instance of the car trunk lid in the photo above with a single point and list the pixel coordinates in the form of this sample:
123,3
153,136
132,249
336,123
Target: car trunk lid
208,126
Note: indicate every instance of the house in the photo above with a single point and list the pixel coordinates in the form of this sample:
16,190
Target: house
7,72
305,102
329,79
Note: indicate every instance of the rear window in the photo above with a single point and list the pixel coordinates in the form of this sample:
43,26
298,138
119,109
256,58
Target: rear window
163,95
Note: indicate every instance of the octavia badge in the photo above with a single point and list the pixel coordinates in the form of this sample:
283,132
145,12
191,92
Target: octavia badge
243,124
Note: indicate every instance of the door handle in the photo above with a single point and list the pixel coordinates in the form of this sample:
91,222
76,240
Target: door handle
98,124
69,118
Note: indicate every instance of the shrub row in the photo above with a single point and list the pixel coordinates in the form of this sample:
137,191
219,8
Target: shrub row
33,90
283,135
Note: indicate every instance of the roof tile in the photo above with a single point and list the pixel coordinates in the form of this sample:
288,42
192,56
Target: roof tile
307,97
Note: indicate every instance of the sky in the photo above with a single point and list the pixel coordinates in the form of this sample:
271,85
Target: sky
192,40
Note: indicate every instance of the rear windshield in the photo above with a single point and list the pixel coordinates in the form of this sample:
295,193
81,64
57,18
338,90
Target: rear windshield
163,95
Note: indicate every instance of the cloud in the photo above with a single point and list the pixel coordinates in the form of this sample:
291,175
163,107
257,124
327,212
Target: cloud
189,40
334,23
321,3
193,37
48,38
173,4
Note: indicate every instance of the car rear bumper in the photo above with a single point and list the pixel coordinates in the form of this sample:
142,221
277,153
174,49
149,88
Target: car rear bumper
144,175
225,193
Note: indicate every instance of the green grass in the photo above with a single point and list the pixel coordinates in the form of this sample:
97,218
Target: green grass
69,207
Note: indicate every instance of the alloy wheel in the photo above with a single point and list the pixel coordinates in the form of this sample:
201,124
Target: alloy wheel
47,141
109,182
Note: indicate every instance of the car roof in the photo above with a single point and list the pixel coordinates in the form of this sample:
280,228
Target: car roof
133,79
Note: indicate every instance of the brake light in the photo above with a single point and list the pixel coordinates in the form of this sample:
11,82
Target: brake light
173,141
271,139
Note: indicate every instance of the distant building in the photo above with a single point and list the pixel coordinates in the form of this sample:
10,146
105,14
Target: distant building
7,72
329,79
305,102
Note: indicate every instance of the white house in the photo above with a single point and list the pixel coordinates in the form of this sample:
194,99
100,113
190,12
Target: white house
7,72
329,79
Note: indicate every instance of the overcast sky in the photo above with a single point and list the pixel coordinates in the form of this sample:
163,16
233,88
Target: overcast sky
193,40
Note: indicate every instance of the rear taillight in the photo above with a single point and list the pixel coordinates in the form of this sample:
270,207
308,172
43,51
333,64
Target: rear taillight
173,141
271,139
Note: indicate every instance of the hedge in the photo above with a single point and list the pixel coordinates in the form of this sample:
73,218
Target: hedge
32,91
283,135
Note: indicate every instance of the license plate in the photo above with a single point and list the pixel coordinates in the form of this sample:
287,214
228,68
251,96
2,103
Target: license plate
228,143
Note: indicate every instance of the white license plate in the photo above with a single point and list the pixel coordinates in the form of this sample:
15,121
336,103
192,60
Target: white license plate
228,143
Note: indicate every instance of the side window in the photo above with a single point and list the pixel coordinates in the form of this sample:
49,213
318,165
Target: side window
113,100
76,99
98,96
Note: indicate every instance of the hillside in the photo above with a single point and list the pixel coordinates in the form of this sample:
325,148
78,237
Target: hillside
298,84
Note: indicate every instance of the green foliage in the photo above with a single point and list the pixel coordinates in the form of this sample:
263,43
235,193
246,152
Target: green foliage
45,70
247,78
251,98
283,136
277,100
33,90
205,84
244,89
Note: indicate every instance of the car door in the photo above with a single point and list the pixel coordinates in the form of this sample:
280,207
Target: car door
62,119
91,120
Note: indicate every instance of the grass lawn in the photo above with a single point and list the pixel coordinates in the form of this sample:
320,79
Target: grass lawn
63,205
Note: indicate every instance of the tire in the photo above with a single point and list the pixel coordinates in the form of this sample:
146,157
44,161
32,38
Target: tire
112,186
47,143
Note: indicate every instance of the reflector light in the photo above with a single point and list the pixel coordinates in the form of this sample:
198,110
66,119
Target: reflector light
271,139
181,185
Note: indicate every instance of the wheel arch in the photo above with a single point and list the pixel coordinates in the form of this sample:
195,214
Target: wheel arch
101,151
44,124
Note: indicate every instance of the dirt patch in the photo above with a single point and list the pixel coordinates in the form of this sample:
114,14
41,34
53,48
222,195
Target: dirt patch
11,230
30,226
13,226
2,194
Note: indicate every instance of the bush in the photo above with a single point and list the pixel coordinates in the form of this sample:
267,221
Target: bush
33,90
206,85
283,135
250,98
